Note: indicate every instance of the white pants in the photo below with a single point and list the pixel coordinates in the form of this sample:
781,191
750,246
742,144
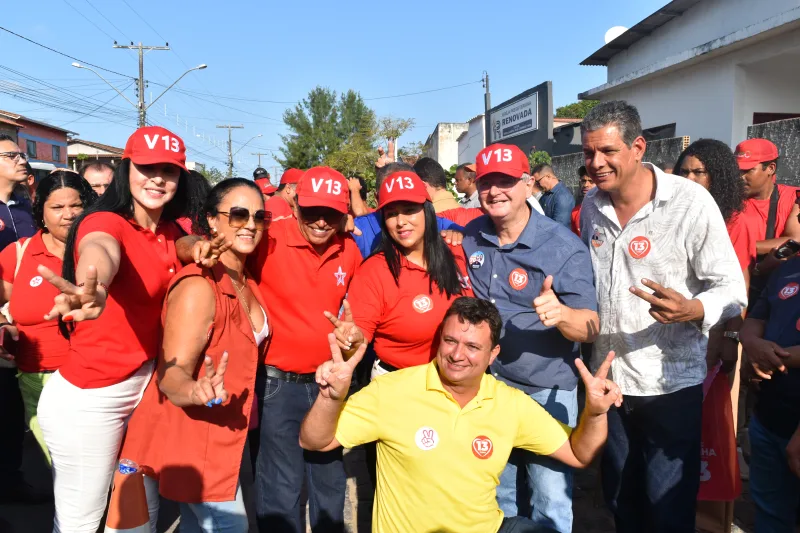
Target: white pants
83,429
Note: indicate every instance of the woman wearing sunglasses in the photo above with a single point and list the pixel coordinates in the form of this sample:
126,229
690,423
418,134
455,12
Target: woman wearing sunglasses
191,428
119,258
401,292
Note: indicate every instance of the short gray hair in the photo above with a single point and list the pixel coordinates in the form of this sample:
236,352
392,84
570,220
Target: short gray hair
617,113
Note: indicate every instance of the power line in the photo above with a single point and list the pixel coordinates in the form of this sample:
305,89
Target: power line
90,21
423,92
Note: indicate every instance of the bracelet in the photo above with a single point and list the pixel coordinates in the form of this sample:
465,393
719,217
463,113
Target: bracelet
99,284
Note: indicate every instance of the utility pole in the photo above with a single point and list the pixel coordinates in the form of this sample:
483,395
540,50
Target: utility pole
230,146
487,105
259,154
141,48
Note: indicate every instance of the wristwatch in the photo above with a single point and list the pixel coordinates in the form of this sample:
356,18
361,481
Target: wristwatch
731,335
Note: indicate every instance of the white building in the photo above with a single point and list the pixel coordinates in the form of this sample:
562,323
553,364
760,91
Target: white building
711,67
442,144
472,140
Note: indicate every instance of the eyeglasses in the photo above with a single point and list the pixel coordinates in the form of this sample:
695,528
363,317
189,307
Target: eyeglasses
238,217
331,216
499,181
14,156
685,172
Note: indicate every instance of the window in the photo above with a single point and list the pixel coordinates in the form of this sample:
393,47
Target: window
30,149
56,153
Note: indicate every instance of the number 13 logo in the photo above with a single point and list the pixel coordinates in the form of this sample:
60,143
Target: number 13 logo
334,187
503,154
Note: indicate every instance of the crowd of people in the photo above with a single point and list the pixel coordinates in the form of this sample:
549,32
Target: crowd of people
232,340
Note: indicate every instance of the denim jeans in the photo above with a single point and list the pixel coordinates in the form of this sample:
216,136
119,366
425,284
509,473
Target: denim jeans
282,465
536,487
215,517
651,463
774,488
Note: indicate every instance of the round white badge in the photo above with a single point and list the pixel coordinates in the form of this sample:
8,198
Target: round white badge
426,438
36,281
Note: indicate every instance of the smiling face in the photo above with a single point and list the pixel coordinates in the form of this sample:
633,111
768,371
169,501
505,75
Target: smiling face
153,186
609,161
502,196
465,352
61,209
244,238
405,222
319,224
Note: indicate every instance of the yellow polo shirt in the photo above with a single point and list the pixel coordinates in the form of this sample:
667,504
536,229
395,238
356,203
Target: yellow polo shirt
439,464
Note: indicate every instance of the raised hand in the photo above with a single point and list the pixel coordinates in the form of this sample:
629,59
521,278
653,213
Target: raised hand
601,392
348,336
7,329
75,303
547,304
668,306
384,158
209,390
334,376
206,253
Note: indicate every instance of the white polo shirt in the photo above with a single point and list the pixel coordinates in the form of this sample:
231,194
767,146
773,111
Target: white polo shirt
678,240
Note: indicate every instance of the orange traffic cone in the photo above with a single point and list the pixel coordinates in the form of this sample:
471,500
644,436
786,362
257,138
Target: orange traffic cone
127,510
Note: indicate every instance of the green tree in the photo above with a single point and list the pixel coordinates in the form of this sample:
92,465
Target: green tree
213,175
321,124
539,158
412,152
576,109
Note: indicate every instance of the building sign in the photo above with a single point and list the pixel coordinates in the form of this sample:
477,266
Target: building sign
515,119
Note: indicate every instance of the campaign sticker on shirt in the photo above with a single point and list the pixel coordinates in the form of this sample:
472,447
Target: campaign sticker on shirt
639,247
36,281
422,303
340,276
482,447
518,279
598,238
789,291
426,438
476,260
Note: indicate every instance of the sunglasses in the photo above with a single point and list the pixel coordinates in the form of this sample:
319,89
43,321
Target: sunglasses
238,217
331,216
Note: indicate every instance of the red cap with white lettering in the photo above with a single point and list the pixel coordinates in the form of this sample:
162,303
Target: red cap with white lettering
291,175
265,185
152,145
501,159
751,152
402,187
323,187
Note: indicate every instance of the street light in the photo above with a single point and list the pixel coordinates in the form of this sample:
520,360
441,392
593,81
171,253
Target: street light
245,144
141,107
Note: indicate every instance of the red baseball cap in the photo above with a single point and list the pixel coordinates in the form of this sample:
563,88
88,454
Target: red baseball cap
751,152
265,185
152,145
291,175
501,159
402,186
323,187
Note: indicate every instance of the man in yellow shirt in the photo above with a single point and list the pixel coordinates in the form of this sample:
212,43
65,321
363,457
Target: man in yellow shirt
445,430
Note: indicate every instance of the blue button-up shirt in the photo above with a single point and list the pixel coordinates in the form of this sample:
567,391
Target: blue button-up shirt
558,204
370,227
16,220
532,356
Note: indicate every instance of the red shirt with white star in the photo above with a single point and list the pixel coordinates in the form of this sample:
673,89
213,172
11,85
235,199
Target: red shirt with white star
403,317
301,284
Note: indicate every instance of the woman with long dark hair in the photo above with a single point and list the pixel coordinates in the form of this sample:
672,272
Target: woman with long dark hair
711,164
40,349
118,261
400,294
194,416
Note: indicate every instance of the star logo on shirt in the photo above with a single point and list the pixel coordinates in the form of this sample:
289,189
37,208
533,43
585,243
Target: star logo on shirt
340,275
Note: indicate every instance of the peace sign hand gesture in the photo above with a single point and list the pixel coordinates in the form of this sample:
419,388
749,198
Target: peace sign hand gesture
668,306
334,376
209,390
601,393
75,303
348,336
384,158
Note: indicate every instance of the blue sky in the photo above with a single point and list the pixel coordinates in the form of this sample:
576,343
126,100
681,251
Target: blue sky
279,51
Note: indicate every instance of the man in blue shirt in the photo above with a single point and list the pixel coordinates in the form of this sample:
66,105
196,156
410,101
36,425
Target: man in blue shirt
557,201
15,222
539,275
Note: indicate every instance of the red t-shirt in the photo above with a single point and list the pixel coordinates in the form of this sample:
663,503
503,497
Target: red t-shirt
300,285
461,215
402,318
278,207
41,347
744,232
759,210
108,350
576,220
